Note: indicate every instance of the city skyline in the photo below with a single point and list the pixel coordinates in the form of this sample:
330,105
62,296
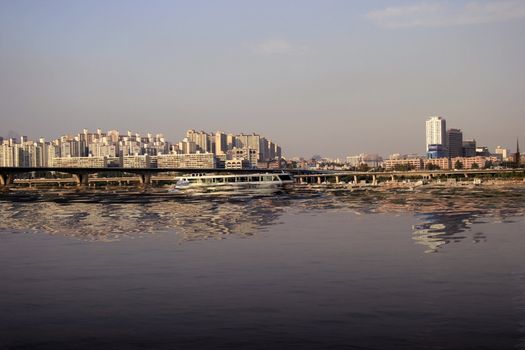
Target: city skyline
423,151
101,148
199,149
333,78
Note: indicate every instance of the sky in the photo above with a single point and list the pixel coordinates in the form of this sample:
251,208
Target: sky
328,77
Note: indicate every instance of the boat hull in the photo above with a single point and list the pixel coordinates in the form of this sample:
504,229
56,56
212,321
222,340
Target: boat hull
233,183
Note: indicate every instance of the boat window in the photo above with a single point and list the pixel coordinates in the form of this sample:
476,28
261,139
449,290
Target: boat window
285,177
243,178
231,179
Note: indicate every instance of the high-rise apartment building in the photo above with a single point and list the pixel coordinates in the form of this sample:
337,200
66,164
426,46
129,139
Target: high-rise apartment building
230,141
8,156
436,133
454,143
221,143
187,147
135,149
204,141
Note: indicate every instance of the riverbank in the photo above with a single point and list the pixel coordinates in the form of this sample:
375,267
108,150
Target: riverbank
419,184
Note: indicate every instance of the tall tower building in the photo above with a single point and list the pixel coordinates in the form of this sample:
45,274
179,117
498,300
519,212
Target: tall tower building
201,139
221,143
230,141
455,143
436,132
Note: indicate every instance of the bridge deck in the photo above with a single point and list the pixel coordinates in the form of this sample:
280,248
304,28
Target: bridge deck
146,175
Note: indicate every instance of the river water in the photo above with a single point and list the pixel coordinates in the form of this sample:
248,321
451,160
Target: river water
439,268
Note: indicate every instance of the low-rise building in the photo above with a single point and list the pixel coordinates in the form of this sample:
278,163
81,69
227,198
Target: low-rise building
437,151
370,160
136,161
468,162
442,163
79,162
413,164
194,160
237,164
273,164
247,153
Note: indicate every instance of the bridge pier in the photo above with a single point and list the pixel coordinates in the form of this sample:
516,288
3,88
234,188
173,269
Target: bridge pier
6,180
145,179
82,180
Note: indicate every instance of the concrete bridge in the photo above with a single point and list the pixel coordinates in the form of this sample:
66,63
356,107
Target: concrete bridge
336,176
144,175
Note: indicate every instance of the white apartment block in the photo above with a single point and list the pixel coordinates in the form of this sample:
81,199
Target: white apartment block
436,131
195,160
79,162
136,161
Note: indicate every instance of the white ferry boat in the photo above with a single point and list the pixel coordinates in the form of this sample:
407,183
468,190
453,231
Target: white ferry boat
215,182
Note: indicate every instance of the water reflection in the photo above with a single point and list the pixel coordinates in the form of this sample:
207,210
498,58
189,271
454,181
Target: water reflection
439,229
442,216
192,220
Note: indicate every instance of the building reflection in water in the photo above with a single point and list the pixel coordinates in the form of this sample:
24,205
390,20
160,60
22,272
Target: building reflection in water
444,215
119,218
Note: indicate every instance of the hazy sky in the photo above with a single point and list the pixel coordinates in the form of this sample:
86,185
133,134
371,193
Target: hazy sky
318,77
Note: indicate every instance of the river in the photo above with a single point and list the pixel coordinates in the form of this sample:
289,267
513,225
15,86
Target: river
439,268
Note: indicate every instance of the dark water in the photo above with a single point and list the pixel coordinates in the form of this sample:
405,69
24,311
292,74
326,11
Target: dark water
436,269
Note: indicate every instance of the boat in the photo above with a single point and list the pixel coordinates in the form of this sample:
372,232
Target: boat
229,182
